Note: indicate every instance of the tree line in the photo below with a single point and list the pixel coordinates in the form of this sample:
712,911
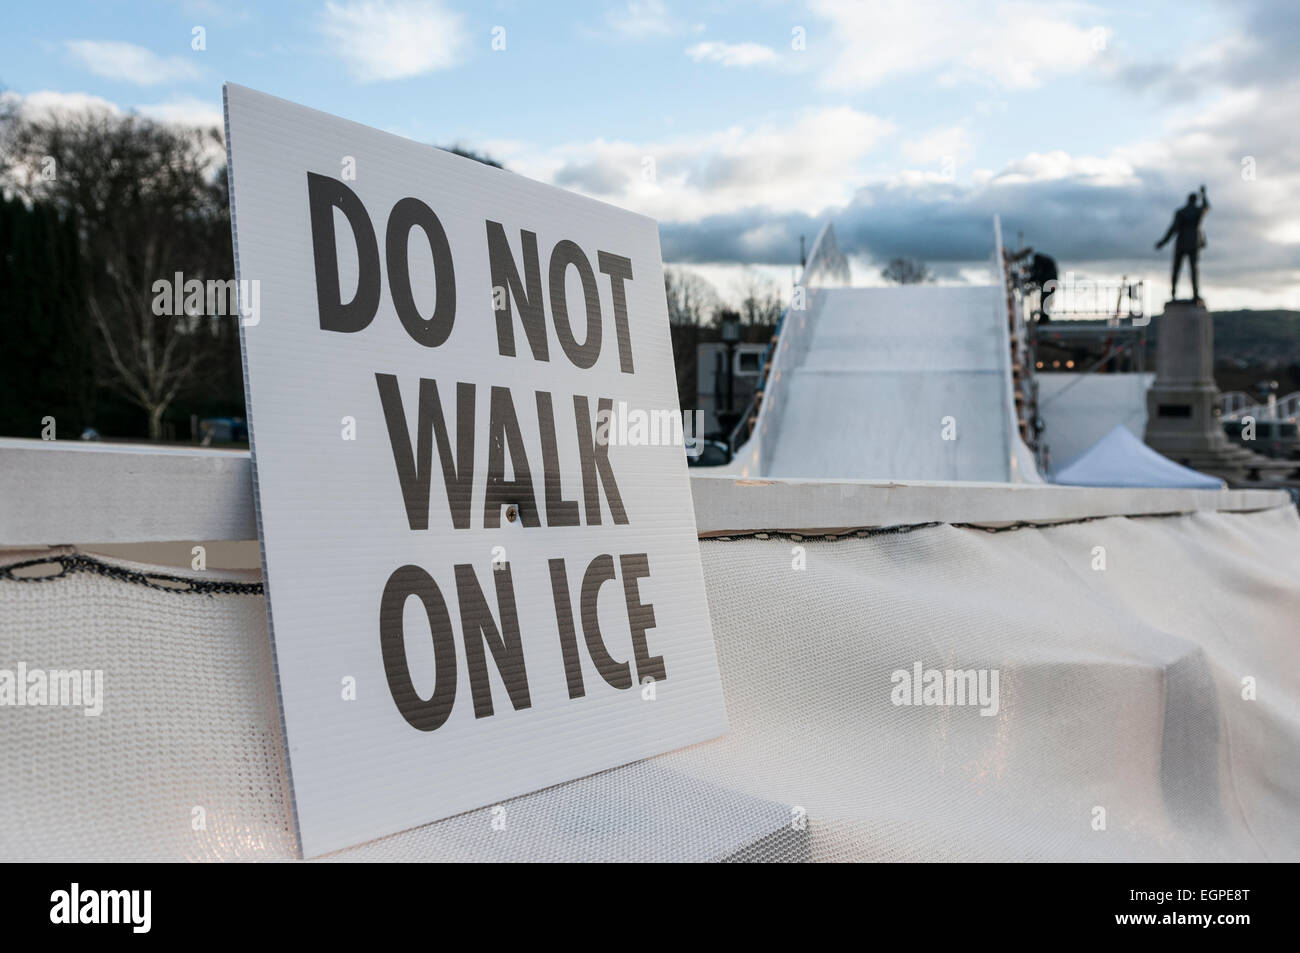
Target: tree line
96,206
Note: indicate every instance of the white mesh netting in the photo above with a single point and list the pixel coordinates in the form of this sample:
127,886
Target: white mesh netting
1120,689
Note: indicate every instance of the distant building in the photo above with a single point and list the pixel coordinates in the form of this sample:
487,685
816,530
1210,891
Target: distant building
711,379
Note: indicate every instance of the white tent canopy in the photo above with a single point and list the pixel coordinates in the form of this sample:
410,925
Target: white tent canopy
1121,459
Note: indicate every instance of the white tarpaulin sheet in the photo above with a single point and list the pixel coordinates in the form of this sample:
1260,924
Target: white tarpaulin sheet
1147,710
1121,459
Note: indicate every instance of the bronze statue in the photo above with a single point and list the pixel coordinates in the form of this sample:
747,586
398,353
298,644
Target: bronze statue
1189,241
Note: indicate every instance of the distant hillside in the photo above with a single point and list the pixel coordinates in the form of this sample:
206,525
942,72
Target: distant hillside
1249,347
1271,337
1257,335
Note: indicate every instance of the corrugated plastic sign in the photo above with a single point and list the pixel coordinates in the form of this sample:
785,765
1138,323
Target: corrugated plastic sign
482,570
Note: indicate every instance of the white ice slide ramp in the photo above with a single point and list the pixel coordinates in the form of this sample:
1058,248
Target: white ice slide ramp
864,379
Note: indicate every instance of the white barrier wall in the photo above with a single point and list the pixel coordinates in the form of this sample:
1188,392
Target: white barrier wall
1146,708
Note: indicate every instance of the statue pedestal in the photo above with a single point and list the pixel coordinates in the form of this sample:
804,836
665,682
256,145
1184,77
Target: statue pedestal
1181,404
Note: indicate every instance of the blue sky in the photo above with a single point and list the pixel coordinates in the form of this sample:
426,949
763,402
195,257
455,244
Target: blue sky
905,124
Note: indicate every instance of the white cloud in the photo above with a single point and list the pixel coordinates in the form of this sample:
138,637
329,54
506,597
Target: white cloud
1058,165
760,237
48,104
1286,232
180,111
732,54
938,179
813,162
732,280
638,19
939,145
1025,44
393,39
1012,45
187,111
129,63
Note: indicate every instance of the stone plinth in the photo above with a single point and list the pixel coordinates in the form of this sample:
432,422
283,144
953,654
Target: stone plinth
1181,419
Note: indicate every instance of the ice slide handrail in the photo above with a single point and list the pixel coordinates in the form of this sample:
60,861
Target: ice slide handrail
1022,464
825,267
1003,318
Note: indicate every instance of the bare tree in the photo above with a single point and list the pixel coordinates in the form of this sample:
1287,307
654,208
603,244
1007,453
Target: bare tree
760,301
906,271
469,153
9,116
690,297
148,204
